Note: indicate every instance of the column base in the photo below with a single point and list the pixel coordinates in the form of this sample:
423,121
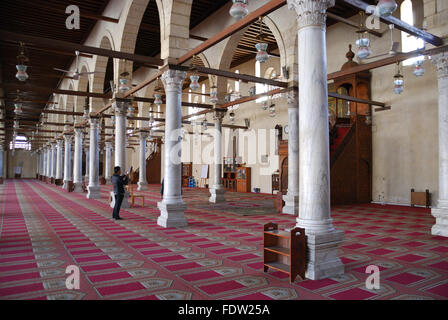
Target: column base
217,195
78,187
142,186
93,192
58,182
125,204
291,204
172,215
441,226
67,185
322,257
52,180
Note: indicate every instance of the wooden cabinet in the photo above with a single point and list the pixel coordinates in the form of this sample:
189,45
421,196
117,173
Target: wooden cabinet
284,251
187,172
229,180
243,179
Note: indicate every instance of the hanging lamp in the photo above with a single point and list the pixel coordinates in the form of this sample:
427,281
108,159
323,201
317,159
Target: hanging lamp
239,9
21,66
124,83
158,91
398,80
386,7
262,55
418,68
214,94
363,42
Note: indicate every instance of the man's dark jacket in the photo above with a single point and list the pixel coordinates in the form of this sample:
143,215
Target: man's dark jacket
119,182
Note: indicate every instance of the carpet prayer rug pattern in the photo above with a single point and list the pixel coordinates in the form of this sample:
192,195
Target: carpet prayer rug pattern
44,229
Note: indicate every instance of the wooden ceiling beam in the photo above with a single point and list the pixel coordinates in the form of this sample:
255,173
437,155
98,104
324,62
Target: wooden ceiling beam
386,61
47,90
65,45
399,24
234,28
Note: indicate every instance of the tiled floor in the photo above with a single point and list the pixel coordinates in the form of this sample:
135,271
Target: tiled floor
218,256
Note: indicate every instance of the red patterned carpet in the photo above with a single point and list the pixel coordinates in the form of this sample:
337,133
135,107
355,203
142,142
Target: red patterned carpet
218,256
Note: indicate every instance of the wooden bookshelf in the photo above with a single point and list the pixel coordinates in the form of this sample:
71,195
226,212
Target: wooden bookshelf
284,251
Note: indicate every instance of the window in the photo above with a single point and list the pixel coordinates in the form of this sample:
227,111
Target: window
259,87
408,42
203,93
21,143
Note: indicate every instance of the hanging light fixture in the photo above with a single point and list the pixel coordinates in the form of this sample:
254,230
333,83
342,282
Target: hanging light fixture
214,94
239,9
232,117
264,105
21,66
158,91
363,42
262,45
204,124
124,85
194,84
131,111
16,125
272,110
398,81
386,7
419,70
18,108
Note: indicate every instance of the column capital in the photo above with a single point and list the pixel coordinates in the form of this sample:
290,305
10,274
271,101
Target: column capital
218,115
310,12
60,142
143,134
94,122
121,105
172,80
292,98
441,62
79,132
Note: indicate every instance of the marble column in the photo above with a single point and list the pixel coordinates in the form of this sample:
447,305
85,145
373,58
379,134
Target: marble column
54,160
2,152
142,182
93,189
77,160
217,191
120,106
292,197
107,169
87,153
440,212
59,162
323,239
39,164
45,151
67,160
172,207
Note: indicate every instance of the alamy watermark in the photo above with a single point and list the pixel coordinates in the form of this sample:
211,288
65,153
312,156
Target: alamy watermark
73,20
373,280
73,281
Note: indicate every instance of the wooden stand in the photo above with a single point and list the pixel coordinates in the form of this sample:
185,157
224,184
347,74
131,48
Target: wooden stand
284,251
132,196
187,172
420,198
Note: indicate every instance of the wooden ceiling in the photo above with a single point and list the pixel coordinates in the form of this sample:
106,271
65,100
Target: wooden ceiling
41,18
46,18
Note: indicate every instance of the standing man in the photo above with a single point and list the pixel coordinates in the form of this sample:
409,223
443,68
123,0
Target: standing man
119,182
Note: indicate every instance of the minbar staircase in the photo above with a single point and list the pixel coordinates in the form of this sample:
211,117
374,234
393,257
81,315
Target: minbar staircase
351,162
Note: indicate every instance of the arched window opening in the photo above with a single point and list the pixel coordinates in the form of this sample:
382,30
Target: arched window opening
21,142
408,42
